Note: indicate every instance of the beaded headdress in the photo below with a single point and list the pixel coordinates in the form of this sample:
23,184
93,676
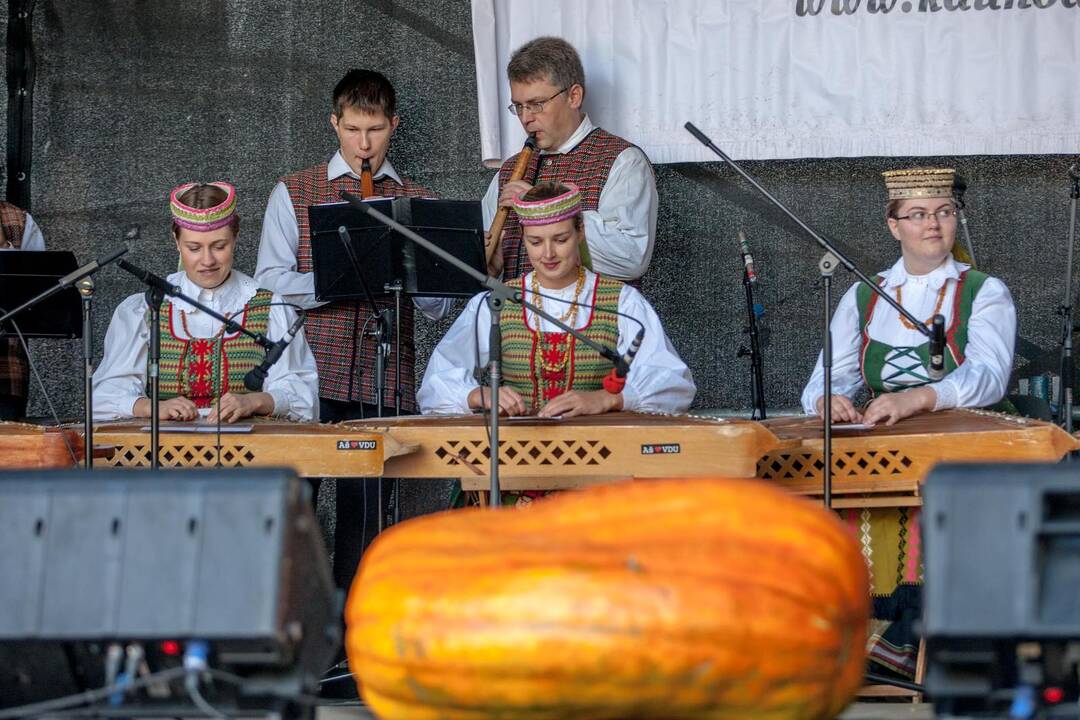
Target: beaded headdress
203,219
919,183
552,210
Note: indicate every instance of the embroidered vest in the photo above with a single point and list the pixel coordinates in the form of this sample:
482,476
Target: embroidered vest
346,360
886,368
587,166
544,365
198,368
14,368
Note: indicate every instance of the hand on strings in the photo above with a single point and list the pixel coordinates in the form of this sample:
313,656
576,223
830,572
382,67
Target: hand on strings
237,406
574,403
843,410
510,400
177,408
891,407
511,190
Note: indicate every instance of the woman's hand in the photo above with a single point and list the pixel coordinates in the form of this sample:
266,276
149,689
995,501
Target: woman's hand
177,408
574,403
510,400
891,407
843,410
237,406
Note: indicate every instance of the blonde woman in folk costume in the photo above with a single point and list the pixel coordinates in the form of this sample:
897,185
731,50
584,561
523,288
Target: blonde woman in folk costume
877,347
201,366
545,370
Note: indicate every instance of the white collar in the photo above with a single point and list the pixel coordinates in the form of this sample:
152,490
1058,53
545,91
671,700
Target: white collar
575,138
337,167
948,270
229,296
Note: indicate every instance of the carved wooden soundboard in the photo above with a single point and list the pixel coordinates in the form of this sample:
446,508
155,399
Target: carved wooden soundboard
547,455
311,449
883,466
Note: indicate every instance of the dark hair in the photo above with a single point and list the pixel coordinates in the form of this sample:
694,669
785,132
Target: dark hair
202,197
547,191
892,208
547,58
367,91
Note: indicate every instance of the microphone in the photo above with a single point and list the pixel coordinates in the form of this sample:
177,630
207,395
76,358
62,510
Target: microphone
1074,172
936,371
149,278
748,259
92,266
255,377
621,369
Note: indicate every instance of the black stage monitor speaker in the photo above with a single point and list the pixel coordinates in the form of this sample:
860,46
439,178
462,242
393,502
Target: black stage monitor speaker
1002,593
233,559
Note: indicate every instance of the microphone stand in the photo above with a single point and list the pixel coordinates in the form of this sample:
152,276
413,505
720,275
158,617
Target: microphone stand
827,267
958,199
1065,397
757,382
381,328
157,289
501,293
80,278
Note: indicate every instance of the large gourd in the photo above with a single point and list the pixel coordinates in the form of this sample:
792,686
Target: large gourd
660,599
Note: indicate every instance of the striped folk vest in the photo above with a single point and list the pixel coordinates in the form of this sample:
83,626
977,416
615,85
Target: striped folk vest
14,368
544,365
198,368
587,166
346,360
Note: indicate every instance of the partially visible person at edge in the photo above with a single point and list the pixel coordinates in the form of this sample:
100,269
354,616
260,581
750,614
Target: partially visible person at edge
20,233
202,367
876,346
618,188
363,116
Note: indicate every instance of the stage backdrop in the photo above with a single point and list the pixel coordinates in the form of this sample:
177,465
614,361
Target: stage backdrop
772,79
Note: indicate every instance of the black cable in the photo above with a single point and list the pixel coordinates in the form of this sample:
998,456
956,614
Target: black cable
89,696
896,682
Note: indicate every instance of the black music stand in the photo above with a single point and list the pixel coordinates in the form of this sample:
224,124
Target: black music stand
25,274
355,257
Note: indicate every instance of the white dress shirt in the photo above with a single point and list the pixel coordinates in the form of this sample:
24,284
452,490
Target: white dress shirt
622,230
659,381
275,268
981,380
120,380
32,239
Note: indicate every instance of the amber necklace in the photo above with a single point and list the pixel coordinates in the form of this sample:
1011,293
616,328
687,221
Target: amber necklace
570,316
215,336
937,308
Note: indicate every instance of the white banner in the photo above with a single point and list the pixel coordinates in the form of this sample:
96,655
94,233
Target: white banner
771,79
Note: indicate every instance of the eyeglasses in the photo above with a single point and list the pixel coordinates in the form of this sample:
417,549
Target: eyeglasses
919,217
534,106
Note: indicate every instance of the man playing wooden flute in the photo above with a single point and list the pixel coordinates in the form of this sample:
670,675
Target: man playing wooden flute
547,89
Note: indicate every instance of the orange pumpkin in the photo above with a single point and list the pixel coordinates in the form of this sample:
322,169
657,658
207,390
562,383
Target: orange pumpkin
656,599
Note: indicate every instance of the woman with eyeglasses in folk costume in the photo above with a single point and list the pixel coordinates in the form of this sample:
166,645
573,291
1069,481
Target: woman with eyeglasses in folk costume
201,365
875,346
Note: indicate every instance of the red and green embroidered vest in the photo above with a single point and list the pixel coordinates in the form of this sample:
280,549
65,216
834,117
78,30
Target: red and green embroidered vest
888,369
198,368
14,368
543,365
345,361
587,166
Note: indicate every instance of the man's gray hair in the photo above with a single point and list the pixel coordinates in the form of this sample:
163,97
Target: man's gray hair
547,58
